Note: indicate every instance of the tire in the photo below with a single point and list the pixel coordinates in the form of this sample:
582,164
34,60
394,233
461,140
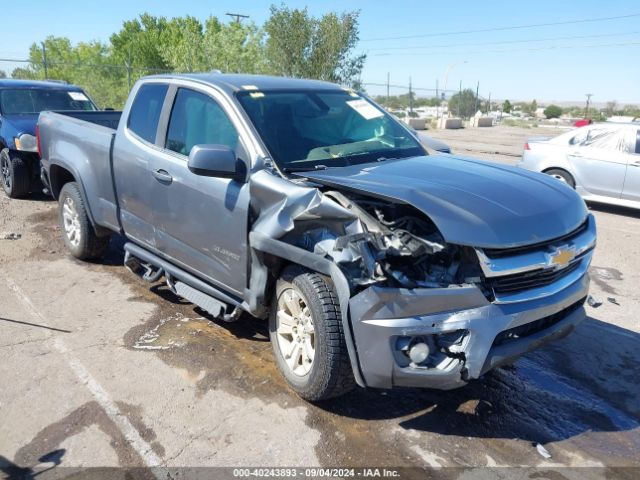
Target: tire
14,175
329,373
562,175
78,233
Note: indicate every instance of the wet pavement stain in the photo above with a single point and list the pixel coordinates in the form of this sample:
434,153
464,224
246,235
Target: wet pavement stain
51,437
561,395
602,276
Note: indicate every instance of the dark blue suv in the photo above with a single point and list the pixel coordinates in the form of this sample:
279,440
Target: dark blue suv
21,101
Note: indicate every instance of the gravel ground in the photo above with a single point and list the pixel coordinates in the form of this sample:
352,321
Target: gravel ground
98,369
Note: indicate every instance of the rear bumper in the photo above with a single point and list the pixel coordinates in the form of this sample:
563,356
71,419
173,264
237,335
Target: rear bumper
485,334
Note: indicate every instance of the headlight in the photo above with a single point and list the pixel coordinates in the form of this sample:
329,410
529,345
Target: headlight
26,143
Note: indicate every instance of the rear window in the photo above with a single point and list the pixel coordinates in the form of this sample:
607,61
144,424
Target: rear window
638,141
145,111
24,101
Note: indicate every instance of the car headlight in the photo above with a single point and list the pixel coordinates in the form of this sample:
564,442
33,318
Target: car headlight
26,143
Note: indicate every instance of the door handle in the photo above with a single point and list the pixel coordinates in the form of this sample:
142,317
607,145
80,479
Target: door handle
163,176
635,164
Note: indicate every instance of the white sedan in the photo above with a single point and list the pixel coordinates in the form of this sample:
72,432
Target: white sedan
601,161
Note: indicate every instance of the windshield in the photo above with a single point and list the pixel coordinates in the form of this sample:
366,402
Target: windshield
306,130
33,100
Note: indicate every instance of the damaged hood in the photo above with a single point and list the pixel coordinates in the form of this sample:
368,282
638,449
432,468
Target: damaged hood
471,202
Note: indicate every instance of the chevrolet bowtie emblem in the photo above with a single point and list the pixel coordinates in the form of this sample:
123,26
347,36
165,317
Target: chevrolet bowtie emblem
561,257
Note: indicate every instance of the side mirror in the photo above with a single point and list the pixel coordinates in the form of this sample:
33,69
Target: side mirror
217,161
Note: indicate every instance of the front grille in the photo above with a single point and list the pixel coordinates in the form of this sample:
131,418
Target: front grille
536,326
507,252
531,279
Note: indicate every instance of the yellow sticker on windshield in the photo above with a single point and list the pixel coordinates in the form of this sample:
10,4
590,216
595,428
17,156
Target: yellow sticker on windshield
256,94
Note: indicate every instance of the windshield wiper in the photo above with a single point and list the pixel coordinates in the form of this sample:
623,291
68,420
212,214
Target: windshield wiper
304,169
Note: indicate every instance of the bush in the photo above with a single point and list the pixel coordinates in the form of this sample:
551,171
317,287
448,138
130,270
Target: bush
553,111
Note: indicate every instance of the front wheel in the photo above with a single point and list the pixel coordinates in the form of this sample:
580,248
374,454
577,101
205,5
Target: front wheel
14,175
305,327
79,235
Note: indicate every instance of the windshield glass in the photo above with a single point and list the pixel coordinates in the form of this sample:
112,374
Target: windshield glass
304,130
33,100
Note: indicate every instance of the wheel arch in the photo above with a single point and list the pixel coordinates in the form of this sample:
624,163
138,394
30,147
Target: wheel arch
290,254
59,175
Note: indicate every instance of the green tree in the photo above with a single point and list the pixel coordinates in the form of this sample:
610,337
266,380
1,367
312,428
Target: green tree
552,111
234,47
506,106
85,64
299,45
140,43
463,103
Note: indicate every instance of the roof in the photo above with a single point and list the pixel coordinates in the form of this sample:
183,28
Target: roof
53,85
237,82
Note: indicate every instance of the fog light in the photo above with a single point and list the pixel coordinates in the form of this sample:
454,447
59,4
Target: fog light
419,352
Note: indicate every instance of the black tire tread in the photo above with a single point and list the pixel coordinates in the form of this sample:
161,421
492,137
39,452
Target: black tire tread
20,181
334,377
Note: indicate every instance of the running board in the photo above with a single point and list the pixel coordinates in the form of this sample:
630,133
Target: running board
204,301
177,275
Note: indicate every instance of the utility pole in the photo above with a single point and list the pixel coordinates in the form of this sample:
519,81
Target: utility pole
477,90
437,95
388,80
459,98
238,16
586,108
44,61
489,104
410,98
128,65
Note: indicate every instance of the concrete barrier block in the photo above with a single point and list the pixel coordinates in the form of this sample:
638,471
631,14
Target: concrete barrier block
450,123
418,123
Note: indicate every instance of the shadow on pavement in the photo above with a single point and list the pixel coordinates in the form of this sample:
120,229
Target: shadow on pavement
15,472
614,210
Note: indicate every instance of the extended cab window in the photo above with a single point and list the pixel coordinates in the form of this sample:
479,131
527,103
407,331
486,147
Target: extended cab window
638,142
145,111
197,119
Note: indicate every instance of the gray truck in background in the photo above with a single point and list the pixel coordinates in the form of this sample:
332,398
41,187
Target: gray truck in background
305,203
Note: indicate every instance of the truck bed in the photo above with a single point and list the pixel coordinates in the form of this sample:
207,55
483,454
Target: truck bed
81,143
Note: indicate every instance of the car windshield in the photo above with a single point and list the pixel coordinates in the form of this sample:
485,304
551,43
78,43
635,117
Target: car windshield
14,101
309,129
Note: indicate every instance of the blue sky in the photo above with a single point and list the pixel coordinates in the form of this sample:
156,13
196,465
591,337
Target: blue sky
519,64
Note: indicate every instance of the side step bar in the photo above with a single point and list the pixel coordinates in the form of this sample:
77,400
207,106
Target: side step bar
204,301
150,267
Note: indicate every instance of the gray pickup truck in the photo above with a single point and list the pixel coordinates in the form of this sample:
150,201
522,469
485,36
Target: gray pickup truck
305,203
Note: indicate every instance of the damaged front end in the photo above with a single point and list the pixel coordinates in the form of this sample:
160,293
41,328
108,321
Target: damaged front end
417,311
389,244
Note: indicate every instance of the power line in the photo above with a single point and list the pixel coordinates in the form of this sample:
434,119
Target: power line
500,29
78,65
502,42
505,50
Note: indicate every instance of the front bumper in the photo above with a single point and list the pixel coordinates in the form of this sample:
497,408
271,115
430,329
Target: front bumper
491,334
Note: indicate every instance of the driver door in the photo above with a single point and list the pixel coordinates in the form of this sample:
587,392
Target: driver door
201,222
